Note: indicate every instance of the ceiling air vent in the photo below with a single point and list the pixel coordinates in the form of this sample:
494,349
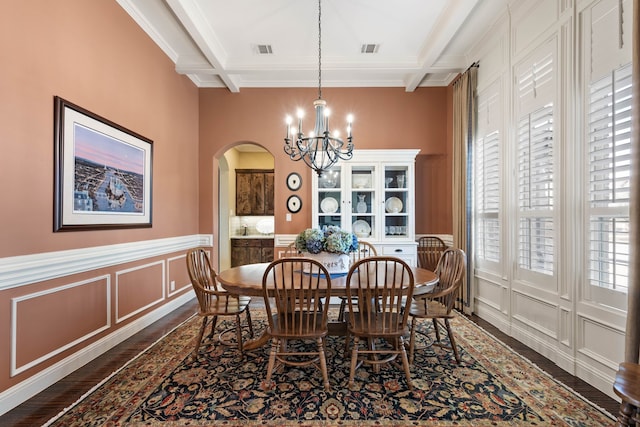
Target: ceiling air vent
264,49
369,48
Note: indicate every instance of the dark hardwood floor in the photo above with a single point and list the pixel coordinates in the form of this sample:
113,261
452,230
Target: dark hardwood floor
42,407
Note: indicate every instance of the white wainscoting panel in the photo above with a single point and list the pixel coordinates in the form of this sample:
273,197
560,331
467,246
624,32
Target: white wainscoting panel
535,313
15,308
161,286
21,392
179,287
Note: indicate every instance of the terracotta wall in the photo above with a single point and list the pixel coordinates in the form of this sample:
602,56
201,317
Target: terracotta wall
94,55
385,118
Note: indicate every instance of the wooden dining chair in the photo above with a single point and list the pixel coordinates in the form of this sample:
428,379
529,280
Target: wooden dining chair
365,250
438,305
214,301
292,290
430,249
381,287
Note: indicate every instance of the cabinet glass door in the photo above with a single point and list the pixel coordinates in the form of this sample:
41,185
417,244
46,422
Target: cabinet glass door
396,199
362,199
330,198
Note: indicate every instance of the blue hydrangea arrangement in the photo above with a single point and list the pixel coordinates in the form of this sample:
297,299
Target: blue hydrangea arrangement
330,239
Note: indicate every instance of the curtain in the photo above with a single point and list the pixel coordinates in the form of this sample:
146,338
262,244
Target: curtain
464,129
632,344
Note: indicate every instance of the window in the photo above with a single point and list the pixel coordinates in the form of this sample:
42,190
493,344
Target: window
535,164
487,187
535,191
609,166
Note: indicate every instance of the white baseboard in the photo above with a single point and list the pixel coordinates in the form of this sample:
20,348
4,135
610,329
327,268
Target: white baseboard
28,388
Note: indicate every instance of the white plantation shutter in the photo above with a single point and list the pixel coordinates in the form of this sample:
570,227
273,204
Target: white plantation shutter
487,156
609,162
535,191
487,179
487,175
535,78
610,32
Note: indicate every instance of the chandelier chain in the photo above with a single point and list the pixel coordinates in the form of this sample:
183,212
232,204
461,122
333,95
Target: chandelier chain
319,49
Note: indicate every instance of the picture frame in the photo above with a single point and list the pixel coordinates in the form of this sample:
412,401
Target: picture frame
102,172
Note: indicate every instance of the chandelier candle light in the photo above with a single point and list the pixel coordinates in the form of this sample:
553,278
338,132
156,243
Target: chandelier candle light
320,149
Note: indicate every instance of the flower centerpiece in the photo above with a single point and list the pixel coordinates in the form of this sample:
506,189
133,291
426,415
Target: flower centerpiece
330,246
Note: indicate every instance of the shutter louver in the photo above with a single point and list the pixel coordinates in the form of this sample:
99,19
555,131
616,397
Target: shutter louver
535,191
609,179
487,158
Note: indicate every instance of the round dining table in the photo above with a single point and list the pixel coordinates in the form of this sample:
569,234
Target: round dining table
247,280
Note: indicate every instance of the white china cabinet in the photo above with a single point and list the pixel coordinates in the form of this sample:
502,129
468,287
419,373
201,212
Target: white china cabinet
372,195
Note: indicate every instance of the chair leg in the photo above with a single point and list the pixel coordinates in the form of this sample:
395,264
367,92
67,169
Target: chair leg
435,327
248,314
275,343
347,338
343,306
214,323
405,362
354,361
412,339
323,364
452,340
239,335
371,346
194,355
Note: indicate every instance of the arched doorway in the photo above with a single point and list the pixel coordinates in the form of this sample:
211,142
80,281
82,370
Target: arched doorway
241,156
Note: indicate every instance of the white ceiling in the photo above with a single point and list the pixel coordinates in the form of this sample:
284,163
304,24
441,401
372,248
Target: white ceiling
215,42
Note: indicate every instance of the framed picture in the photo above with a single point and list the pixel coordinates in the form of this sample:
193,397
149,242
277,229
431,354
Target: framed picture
102,172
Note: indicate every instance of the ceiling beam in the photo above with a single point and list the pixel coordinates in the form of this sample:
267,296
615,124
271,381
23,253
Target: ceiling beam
447,25
193,20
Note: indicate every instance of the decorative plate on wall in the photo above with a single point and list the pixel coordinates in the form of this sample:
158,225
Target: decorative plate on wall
294,204
294,181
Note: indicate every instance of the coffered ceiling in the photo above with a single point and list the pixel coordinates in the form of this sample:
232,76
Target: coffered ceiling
274,43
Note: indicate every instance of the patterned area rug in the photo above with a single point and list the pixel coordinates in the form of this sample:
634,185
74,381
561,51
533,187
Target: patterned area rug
492,386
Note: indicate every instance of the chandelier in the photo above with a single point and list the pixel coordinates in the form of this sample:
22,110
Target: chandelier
321,149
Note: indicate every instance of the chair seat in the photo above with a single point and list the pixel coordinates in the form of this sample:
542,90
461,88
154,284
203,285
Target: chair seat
379,325
310,325
225,305
426,308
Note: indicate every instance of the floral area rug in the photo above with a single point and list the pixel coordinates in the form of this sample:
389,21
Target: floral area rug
492,386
